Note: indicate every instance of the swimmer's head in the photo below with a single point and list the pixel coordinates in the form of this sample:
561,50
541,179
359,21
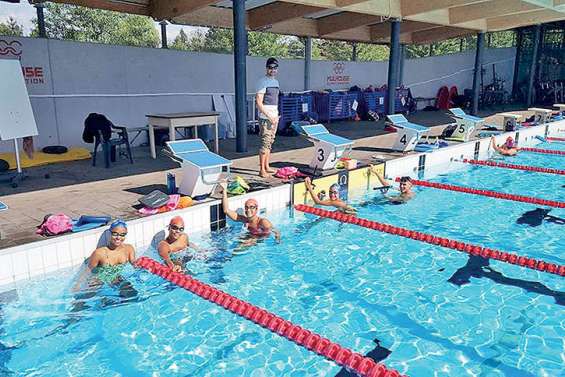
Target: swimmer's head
251,206
118,232
334,191
405,184
509,143
176,227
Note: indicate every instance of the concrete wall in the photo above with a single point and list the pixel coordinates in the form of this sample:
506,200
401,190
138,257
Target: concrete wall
67,80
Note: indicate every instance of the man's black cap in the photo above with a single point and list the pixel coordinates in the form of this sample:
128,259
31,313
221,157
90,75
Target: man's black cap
272,61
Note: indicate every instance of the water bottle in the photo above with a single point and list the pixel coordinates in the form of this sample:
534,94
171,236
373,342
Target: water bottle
171,184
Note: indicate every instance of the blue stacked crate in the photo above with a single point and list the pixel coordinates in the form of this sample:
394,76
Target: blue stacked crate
341,105
375,101
293,107
401,100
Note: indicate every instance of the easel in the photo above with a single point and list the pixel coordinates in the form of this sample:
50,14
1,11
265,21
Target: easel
16,114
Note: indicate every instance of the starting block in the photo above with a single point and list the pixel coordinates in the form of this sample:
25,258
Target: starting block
201,169
328,147
541,116
510,121
466,124
408,133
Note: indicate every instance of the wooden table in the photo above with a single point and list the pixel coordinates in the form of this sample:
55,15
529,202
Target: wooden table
180,120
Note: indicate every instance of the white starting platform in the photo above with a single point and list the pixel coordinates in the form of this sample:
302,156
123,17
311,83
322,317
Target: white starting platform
541,116
466,124
510,121
201,169
560,106
408,133
329,148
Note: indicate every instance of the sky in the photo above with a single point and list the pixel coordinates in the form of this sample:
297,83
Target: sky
24,12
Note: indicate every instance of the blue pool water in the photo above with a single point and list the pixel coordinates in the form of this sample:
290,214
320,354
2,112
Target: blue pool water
433,311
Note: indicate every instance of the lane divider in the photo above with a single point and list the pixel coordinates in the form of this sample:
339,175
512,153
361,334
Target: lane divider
484,252
342,356
543,151
514,166
555,138
489,193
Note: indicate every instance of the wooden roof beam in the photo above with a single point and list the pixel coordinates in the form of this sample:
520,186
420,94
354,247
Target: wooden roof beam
270,14
346,3
344,21
381,32
524,19
413,7
439,33
488,9
168,9
131,8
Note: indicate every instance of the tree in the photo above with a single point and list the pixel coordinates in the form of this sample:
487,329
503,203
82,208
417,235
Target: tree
93,25
181,41
372,52
334,50
11,28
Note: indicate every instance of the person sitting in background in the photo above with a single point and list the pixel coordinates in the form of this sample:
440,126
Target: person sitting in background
175,242
506,149
405,188
258,227
333,201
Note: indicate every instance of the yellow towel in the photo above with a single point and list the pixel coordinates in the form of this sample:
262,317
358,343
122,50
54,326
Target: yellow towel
40,158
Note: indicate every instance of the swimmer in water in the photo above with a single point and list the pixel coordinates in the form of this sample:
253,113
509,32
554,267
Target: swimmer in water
506,149
106,263
405,188
333,201
258,227
175,242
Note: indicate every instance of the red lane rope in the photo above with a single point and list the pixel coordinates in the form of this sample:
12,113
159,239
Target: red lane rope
555,138
342,356
489,193
513,166
484,252
543,151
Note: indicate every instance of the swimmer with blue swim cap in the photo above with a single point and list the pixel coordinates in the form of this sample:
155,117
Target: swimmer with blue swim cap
333,201
107,262
405,187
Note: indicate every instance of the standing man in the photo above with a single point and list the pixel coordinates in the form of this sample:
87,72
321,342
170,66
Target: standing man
267,99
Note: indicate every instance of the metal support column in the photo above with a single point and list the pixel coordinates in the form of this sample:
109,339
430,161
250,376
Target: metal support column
401,64
533,68
393,65
240,67
354,52
477,74
163,34
519,47
40,20
307,62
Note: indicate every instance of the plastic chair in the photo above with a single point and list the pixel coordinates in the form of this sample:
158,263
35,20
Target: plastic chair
109,146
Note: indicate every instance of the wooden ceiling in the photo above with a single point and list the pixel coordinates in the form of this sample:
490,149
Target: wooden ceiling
423,21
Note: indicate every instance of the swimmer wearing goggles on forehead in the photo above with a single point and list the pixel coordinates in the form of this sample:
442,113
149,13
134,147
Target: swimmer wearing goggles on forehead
176,241
332,201
258,227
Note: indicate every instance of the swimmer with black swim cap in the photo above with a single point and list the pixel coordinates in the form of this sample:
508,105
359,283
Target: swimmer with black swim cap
333,201
405,188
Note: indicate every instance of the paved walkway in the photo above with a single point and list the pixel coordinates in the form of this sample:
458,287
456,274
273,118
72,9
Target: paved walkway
76,188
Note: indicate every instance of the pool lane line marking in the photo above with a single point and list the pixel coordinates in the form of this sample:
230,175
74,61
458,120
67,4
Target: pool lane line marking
531,263
543,151
495,164
489,193
364,366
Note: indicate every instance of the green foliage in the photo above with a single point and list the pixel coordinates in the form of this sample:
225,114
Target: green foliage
11,28
181,41
93,25
370,52
333,50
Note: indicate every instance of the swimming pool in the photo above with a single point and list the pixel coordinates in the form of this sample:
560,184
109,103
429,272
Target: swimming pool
421,309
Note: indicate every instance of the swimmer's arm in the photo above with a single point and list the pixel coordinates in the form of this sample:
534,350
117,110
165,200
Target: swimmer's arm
131,254
381,179
226,206
315,198
87,271
268,226
164,250
494,146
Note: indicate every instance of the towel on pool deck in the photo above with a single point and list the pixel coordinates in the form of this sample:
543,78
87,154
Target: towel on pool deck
40,158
